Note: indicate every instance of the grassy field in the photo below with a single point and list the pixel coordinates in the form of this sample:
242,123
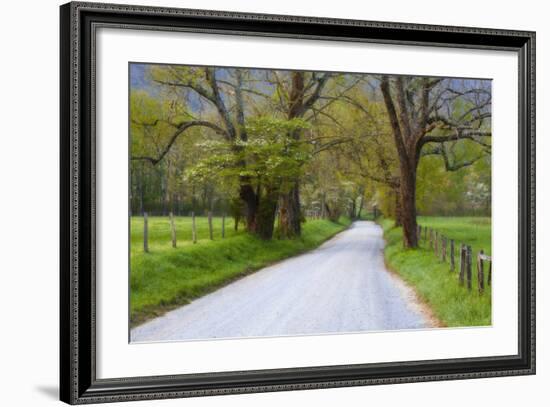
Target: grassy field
166,277
451,303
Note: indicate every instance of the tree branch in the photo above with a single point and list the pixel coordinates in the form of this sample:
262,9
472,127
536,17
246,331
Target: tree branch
181,128
330,144
194,87
403,109
210,74
459,135
454,166
310,101
394,121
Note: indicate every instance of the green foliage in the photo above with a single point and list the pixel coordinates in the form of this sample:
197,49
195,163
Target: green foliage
165,277
272,152
466,191
386,200
345,151
270,155
152,121
451,303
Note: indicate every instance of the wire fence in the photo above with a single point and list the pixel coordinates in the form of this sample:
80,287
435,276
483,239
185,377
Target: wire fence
439,243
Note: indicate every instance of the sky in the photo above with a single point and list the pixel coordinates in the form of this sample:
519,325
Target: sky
140,80
137,76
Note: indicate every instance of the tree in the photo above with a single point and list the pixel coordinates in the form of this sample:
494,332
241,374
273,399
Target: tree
221,100
212,138
301,96
424,111
224,99
274,160
156,184
371,150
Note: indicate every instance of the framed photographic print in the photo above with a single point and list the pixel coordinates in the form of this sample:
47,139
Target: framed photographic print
256,203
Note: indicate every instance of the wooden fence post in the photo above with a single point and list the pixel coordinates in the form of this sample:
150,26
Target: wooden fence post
436,244
462,264
210,225
452,255
145,233
426,234
443,248
173,230
489,276
431,238
469,267
480,276
193,227
223,226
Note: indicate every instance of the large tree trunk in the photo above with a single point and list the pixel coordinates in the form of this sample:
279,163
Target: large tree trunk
251,202
398,220
266,214
405,141
260,209
408,207
289,212
298,105
289,203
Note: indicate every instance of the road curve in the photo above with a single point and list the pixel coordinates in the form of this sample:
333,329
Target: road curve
342,286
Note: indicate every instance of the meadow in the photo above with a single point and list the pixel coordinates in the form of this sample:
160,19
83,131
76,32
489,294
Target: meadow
452,304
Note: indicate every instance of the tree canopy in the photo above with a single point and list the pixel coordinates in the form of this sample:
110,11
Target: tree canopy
273,146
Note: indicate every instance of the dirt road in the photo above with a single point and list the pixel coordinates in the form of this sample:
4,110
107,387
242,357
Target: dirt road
342,286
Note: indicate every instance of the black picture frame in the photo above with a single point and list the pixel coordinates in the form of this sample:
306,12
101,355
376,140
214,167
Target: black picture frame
78,382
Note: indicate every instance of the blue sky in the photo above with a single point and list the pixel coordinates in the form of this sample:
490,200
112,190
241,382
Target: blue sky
137,76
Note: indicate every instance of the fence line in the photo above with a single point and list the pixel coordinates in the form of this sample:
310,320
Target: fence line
462,264
316,214
145,233
437,242
452,257
173,230
193,228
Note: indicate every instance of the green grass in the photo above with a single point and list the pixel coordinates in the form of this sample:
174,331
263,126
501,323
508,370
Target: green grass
159,231
166,277
451,303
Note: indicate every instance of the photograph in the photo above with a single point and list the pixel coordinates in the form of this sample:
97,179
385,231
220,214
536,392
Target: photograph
257,201
276,202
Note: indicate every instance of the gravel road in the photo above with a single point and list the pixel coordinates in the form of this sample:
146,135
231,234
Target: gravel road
342,286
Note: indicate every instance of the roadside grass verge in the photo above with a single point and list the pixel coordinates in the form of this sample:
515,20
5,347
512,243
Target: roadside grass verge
166,278
451,303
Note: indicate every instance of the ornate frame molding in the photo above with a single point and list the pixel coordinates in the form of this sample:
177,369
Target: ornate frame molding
77,247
